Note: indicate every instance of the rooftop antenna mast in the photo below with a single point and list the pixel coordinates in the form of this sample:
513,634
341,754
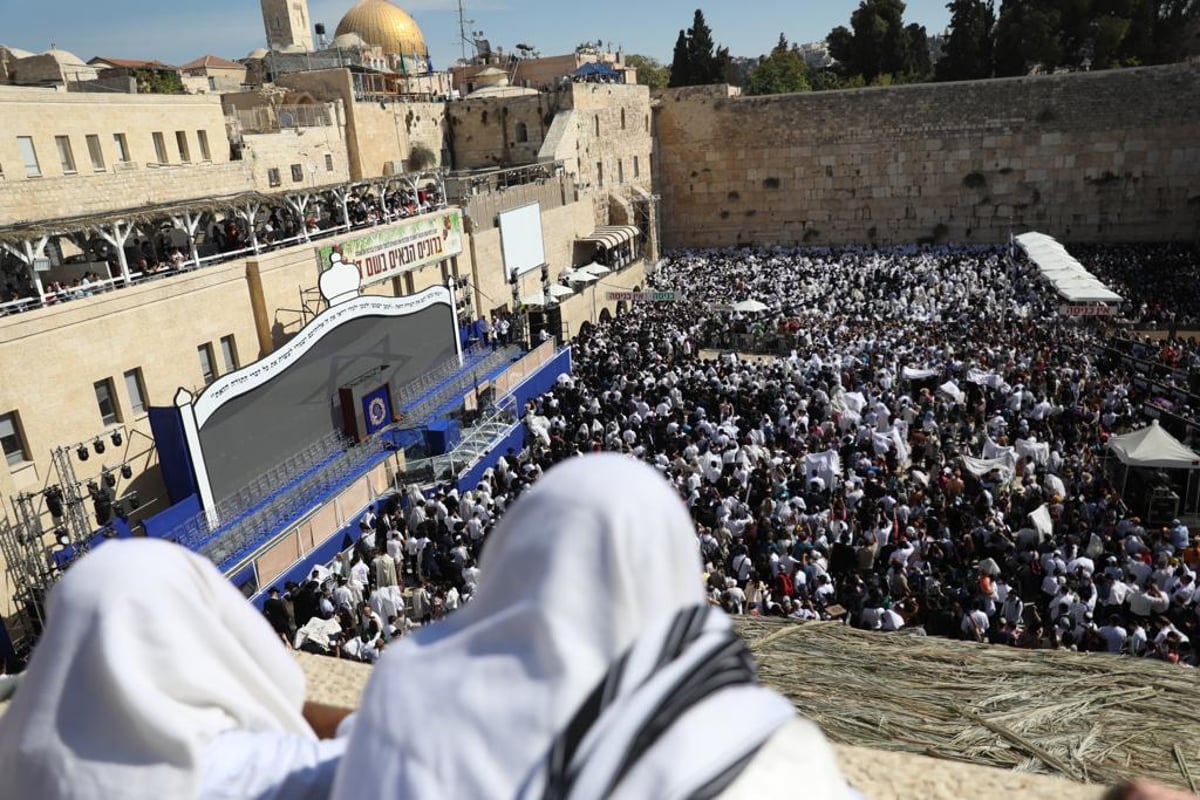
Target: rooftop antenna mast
463,22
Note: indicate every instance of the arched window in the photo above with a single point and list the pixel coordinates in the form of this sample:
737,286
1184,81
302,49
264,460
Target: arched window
522,132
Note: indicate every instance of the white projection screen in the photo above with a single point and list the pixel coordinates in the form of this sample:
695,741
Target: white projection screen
521,239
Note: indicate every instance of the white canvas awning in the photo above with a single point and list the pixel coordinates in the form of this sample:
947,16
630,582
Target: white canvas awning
1153,447
1069,278
609,236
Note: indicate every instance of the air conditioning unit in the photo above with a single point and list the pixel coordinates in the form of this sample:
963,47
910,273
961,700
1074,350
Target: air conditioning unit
393,168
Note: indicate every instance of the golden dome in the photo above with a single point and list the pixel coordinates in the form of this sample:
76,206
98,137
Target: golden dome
384,25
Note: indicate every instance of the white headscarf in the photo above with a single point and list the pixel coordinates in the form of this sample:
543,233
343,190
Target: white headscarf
596,557
148,654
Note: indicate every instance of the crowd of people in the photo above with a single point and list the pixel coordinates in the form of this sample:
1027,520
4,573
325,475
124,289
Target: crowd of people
929,454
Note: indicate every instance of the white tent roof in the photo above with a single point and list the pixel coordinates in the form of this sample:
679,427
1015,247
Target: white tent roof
1068,277
1153,447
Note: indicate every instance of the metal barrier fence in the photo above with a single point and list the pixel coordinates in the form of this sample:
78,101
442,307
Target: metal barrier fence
251,530
468,451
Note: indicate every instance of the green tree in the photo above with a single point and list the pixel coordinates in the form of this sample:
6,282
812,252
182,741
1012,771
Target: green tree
681,63
782,71
968,52
697,60
650,71
1027,37
877,43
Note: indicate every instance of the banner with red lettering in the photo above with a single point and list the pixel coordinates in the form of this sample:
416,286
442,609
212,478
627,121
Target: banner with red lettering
392,250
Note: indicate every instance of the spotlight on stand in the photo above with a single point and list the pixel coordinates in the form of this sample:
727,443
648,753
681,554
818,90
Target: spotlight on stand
126,471
134,501
82,453
98,445
62,536
54,501
108,478
117,439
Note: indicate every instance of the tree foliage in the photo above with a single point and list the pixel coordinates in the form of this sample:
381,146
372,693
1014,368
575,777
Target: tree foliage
697,60
878,43
782,71
967,54
650,71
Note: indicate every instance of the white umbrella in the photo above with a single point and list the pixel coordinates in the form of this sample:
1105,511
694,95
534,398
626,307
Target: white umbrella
581,277
750,306
595,269
534,300
558,290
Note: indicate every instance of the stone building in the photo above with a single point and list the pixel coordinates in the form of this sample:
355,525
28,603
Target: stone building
217,75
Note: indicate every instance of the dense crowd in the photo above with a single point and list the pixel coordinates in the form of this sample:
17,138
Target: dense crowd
1158,281
928,454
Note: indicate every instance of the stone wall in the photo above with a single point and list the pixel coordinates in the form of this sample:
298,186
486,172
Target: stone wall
500,131
1106,156
306,147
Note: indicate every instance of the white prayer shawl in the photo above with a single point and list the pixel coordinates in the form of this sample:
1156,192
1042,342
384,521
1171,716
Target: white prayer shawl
1038,452
916,374
993,450
827,466
1042,522
149,654
505,674
981,378
1054,485
951,390
387,601
854,401
979,467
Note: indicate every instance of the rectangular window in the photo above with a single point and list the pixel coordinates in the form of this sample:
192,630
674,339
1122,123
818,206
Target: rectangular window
160,148
65,155
185,155
136,390
202,138
212,83
11,440
620,170
32,168
600,173
297,173
106,399
122,148
229,353
273,176
329,162
207,368
636,170
95,152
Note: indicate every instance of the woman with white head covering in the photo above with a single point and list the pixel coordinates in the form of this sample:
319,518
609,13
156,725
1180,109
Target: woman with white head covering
588,665
155,679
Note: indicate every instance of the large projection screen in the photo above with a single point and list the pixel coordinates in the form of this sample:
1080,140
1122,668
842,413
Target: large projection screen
521,239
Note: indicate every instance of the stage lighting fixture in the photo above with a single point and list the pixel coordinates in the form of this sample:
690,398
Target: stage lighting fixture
126,471
82,453
98,445
135,502
62,536
54,501
117,439
108,478
93,489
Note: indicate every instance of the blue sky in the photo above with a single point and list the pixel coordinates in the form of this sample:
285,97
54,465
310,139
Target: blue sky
177,32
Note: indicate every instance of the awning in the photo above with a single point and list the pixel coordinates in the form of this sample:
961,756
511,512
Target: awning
609,236
581,277
538,299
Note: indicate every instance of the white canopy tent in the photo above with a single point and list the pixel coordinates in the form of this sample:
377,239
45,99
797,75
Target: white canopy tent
1068,277
1152,447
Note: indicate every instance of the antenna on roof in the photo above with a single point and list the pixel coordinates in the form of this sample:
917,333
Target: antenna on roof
463,22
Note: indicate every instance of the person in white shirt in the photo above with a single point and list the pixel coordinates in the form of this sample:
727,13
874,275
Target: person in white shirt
154,678
531,640
1113,634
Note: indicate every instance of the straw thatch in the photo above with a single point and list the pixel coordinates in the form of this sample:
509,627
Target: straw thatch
1089,717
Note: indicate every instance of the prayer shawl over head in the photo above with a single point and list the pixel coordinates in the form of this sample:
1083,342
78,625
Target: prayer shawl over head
148,654
586,641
